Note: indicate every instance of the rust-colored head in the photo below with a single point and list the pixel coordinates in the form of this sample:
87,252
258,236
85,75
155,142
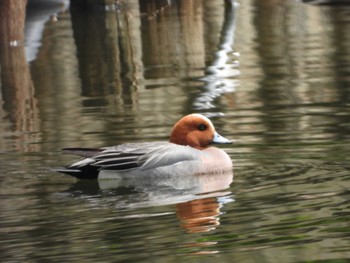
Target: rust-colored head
196,131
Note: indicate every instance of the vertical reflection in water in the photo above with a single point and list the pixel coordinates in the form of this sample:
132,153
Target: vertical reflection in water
89,33
56,81
124,35
282,52
38,13
17,89
108,65
173,43
296,81
192,33
274,51
339,19
219,78
173,49
194,25
102,59
109,52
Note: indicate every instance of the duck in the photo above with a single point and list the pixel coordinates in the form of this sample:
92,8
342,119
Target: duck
189,150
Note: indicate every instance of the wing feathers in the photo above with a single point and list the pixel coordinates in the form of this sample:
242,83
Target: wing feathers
127,156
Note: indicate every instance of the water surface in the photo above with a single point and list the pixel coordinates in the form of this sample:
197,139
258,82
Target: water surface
272,75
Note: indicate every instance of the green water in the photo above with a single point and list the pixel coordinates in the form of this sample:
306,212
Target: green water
272,75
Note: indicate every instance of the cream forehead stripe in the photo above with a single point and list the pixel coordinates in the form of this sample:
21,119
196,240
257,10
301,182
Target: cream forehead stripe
204,118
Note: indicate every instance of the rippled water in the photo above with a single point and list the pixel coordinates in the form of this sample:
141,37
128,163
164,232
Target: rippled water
272,75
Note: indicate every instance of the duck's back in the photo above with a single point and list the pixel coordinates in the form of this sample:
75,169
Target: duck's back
128,157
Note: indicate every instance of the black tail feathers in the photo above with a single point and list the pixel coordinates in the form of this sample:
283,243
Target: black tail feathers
86,172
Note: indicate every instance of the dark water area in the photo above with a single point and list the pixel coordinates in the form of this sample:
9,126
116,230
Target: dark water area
274,76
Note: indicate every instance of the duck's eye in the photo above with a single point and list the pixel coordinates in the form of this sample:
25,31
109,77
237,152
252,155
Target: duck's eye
202,127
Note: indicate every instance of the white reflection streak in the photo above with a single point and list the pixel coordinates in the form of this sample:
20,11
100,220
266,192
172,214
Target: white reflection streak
219,75
36,19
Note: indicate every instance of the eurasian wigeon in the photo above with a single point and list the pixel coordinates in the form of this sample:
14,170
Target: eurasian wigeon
188,151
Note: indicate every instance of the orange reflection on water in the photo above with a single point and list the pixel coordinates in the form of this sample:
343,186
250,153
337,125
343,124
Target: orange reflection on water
201,215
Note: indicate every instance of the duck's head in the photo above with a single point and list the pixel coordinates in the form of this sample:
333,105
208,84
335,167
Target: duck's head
196,131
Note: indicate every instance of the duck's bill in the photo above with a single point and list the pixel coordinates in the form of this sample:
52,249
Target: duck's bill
219,139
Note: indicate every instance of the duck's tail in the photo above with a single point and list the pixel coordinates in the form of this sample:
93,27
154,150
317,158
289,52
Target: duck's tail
87,172
81,169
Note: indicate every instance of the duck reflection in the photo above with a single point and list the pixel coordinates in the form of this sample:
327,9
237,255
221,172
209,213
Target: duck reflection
198,199
201,215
